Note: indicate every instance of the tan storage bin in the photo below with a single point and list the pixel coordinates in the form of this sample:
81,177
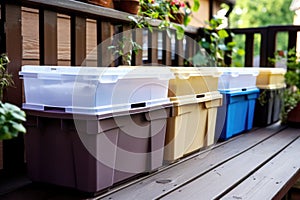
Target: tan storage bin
192,124
270,78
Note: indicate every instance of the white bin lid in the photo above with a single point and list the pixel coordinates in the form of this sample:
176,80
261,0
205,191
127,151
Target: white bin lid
103,74
237,71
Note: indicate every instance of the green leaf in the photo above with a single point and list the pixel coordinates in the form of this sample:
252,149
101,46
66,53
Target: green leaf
19,127
240,52
199,59
205,45
223,33
196,5
18,116
179,32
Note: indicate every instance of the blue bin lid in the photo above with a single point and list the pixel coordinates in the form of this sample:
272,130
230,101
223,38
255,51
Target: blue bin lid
240,91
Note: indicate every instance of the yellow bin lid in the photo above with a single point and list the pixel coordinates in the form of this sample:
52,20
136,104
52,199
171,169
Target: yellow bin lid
187,72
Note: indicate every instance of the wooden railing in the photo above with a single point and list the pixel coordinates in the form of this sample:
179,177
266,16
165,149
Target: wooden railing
268,42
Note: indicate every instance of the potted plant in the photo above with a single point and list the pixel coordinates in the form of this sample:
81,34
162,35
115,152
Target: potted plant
11,116
291,96
162,10
103,3
129,6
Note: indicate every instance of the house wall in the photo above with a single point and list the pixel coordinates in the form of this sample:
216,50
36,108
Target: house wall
202,15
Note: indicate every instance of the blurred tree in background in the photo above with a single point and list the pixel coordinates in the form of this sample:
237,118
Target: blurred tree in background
259,13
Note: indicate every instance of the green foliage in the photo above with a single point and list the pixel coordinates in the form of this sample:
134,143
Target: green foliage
257,13
291,95
5,78
125,48
165,11
11,118
218,44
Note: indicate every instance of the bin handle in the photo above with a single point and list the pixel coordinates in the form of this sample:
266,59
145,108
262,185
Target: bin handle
138,105
200,95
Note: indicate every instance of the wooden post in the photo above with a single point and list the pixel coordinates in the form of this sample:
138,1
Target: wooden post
48,37
13,150
78,41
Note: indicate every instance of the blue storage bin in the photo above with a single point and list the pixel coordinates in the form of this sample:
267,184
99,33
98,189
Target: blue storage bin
237,112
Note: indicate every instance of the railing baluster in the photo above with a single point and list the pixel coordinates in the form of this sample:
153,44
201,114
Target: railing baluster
189,50
292,43
153,46
138,38
179,54
48,37
271,39
249,46
263,46
78,41
167,50
104,33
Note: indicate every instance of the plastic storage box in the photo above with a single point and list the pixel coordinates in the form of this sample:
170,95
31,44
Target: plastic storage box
93,89
268,106
237,112
270,78
92,153
192,124
237,78
271,83
193,80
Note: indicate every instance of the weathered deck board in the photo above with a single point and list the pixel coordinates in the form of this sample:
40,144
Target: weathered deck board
181,173
272,180
215,183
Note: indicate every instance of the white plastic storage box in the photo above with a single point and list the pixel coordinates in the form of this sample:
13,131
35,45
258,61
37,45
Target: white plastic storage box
94,89
237,78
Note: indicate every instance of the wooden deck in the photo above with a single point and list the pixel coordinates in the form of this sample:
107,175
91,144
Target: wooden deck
261,164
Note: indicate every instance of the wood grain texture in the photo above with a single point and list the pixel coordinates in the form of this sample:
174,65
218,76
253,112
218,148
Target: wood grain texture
221,179
48,37
167,49
272,180
183,172
30,33
153,47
